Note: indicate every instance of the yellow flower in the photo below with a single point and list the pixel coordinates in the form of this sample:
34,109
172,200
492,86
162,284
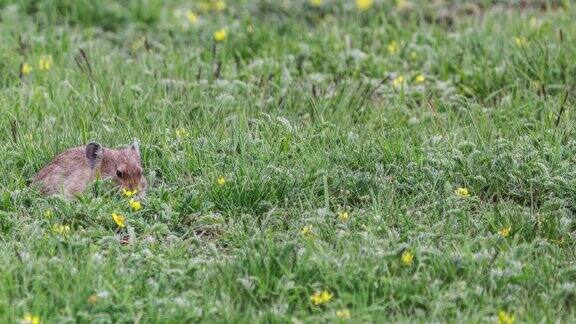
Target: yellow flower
343,313
221,181
413,56
393,47
316,3
462,193
219,5
420,79
364,5
191,16
407,258
221,35
307,231
128,193
520,41
181,133
505,318
25,69
61,229
398,81
504,231
343,216
119,219
30,319
319,298
135,205
48,213
45,62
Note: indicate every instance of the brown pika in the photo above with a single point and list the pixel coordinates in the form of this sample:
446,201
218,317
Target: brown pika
71,171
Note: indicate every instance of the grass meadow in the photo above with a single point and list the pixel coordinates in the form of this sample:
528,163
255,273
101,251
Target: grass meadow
308,161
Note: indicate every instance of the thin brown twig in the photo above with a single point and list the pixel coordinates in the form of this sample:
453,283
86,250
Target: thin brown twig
563,104
373,91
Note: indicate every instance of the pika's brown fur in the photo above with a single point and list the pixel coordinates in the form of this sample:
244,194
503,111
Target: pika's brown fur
70,172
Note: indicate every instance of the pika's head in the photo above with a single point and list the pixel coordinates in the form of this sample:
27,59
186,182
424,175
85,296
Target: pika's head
129,168
123,166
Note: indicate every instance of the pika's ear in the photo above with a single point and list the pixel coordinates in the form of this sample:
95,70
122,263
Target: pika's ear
94,152
136,147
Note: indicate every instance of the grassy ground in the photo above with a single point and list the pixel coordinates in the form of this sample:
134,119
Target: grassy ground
342,137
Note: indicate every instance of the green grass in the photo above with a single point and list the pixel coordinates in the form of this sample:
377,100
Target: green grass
298,110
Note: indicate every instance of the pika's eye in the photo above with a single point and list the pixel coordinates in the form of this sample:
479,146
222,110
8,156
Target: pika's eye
119,173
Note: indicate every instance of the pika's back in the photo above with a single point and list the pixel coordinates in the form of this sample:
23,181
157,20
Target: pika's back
68,172
68,160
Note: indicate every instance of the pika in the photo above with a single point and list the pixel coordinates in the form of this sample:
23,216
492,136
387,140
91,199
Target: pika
71,171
